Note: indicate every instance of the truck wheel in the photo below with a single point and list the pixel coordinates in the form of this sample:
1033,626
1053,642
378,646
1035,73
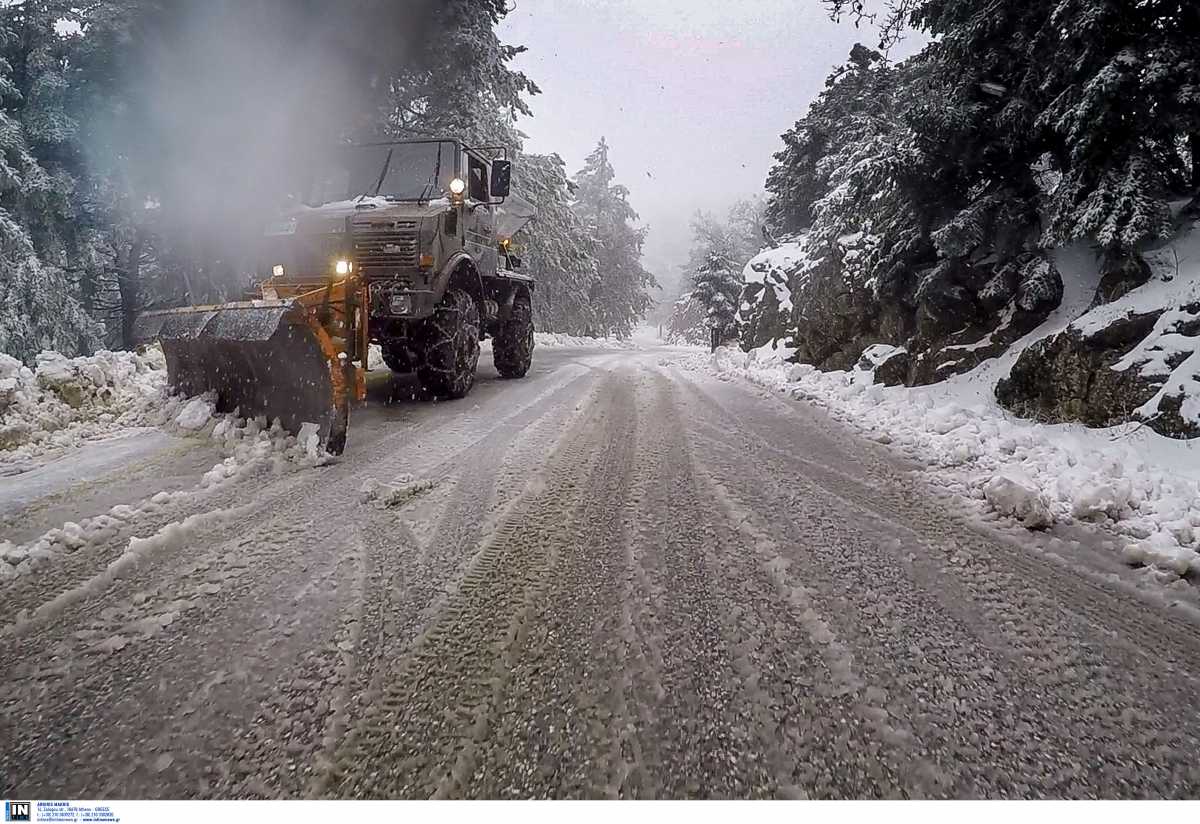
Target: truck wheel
451,346
512,351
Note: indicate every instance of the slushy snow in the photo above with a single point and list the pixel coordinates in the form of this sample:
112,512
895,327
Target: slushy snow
1128,480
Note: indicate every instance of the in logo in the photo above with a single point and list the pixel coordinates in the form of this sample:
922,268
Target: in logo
16,810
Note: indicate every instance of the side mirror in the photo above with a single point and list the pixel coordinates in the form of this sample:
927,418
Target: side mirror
501,178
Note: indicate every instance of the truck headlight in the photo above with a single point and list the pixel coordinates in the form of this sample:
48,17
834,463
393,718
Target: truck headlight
458,186
343,267
277,270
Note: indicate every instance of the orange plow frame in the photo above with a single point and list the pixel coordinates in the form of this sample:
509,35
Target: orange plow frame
298,354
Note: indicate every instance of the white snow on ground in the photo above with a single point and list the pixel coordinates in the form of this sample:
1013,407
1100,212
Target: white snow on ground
559,340
1128,479
195,414
63,402
397,493
91,461
247,444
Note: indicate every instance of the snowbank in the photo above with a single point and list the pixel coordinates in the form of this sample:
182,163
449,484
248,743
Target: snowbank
248,446
65,401
1129,480
559,340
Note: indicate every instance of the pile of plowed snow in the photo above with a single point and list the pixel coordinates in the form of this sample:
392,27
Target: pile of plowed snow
62,401
248,446
1129,480
559,340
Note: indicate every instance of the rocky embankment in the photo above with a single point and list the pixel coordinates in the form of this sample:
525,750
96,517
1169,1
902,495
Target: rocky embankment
1101,341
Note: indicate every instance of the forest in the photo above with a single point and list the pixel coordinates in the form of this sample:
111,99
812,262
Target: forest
145,143
938,206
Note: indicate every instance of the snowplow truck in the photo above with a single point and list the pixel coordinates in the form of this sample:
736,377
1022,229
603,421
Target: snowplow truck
404,244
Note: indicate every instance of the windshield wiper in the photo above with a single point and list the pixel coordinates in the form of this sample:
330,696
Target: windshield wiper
382,174
427,192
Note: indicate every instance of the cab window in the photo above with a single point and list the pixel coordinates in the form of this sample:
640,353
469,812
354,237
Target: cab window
477,179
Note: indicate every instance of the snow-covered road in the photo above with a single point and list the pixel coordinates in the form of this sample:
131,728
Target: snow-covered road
618,577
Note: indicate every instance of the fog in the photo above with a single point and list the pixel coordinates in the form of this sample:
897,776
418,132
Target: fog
692,95
226,99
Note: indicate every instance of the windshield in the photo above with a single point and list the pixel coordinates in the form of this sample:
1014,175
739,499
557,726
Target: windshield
403,171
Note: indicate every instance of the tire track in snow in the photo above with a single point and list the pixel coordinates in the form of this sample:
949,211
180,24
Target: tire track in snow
408,590
318,525
333,488
797,681
1045,658
434,707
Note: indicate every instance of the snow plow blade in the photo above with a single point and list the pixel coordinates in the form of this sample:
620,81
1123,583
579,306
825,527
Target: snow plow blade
268,358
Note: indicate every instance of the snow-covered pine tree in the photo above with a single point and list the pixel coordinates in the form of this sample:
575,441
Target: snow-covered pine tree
618,294
794,182
1123,113
717,286
39,299
557,248
1103,90
688,322
457,71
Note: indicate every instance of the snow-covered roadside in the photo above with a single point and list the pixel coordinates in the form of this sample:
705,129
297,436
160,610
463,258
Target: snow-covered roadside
247,444
559,340
63,402
67,402
1129,480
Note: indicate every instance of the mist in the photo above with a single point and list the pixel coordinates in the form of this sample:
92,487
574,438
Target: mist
692,95
225,100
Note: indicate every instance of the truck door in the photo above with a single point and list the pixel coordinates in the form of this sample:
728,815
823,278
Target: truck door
480,225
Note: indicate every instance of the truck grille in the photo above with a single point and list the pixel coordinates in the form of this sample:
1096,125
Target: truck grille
383,249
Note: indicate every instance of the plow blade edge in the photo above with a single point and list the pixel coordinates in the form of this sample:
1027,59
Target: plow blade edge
257,359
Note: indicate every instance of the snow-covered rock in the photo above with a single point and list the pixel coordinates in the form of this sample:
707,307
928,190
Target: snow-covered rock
1018,497
195,414
1133,353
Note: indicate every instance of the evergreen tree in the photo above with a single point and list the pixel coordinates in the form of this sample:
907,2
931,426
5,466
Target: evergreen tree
39,299
557,248
795,183
618,292
717,285
457,78
688,322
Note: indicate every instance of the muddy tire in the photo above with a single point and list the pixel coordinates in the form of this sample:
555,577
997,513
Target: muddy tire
512,351
451,346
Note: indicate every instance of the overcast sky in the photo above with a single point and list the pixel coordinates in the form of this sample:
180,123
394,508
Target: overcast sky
692,95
